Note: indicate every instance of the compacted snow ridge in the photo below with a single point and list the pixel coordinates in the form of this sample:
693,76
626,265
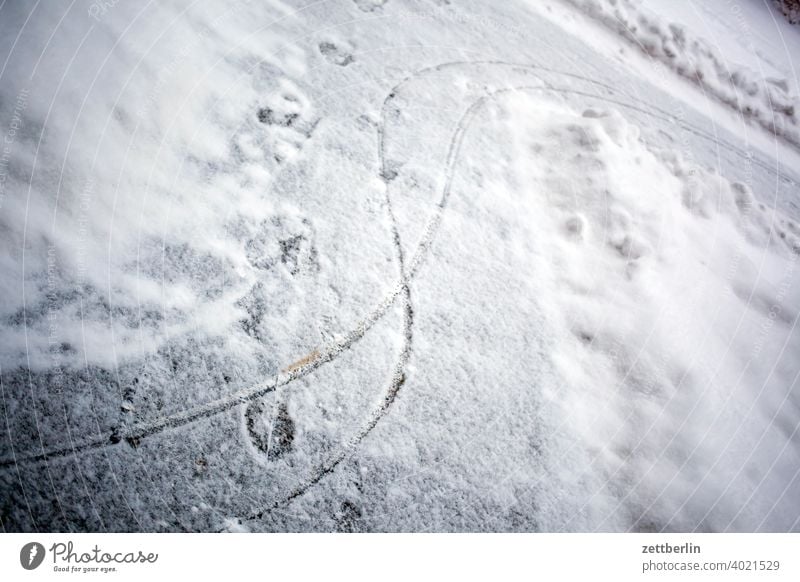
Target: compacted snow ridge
361,265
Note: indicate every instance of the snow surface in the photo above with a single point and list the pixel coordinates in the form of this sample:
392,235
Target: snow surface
751,34
380,265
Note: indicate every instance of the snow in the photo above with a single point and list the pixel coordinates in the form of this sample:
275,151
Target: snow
395,266
765,100
747,34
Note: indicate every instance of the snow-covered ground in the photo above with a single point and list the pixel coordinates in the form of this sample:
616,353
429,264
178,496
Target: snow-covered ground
379,265
714,65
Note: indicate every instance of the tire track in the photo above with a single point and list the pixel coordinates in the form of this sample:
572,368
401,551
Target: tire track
398,379
138,431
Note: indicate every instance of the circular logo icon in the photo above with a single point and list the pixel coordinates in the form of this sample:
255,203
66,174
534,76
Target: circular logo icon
31,555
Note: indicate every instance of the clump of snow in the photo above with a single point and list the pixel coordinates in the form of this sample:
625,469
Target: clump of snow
765,100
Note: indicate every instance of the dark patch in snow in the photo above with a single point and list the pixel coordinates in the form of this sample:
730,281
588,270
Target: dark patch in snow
271,431
348,518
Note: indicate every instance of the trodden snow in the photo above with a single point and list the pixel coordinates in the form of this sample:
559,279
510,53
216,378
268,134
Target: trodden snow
384,265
